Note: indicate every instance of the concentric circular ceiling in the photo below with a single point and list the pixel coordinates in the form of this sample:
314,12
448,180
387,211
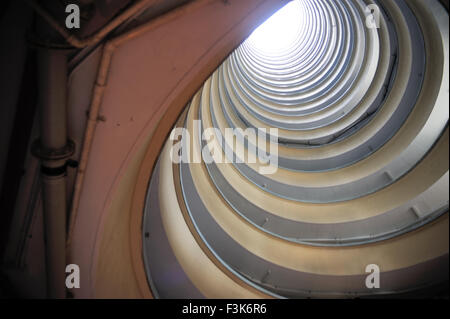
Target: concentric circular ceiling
358,93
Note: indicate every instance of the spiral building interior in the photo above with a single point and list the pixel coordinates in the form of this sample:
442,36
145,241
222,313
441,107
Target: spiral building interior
311,138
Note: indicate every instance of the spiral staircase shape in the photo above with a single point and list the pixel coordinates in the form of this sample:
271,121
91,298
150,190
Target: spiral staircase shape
361,176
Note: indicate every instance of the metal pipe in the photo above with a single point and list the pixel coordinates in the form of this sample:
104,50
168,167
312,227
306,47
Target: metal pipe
53,148
98,36
52,68
99,88
54,199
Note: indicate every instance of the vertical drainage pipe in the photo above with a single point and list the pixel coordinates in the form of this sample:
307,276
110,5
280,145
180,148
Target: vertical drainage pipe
53,148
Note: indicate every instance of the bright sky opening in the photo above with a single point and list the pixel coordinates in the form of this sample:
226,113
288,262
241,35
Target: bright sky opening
280,31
